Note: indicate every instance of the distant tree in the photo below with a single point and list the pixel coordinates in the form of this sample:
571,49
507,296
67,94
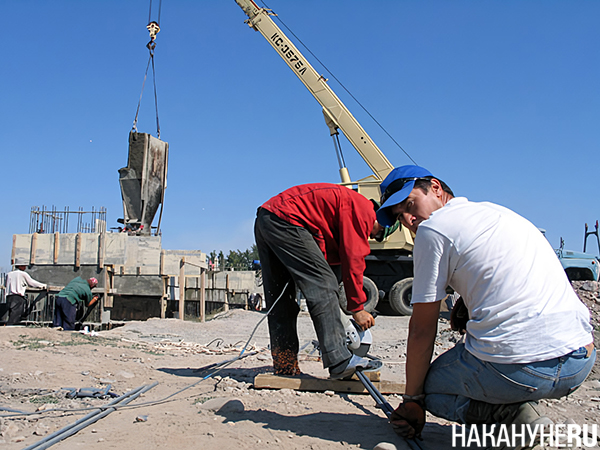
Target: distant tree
221,260
254,253
235,259
212,258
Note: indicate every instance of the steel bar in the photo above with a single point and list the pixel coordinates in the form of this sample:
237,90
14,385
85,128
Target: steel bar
379,400
383,404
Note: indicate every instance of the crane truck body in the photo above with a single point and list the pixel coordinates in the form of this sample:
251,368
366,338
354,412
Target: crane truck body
389,267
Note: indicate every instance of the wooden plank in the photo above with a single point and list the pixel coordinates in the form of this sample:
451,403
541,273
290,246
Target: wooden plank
78,245
56,247
33,248
101,252
163,298
162,263
14,248
182,289
311,383
202,295
108,298
226,305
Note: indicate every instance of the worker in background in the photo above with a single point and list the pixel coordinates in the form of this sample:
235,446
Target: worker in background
78,291
528,336
17,282
306,236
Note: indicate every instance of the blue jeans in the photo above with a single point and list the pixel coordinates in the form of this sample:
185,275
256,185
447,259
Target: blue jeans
457,376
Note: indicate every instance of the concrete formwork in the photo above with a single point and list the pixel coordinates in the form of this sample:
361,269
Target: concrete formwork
132,271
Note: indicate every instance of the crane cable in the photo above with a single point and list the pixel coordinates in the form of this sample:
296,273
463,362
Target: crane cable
153,28
342,85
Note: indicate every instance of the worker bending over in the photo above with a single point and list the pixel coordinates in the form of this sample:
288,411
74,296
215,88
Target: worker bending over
528,336
17,282
78,291
302,235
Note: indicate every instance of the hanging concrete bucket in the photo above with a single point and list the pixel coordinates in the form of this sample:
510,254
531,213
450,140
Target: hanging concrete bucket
143,182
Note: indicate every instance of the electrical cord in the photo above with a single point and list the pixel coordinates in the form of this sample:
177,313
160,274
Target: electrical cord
219,367
342,85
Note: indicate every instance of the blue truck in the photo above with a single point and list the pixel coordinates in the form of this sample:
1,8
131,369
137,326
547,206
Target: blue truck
580,266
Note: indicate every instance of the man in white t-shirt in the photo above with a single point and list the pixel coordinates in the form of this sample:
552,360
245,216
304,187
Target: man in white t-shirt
17,282
527,337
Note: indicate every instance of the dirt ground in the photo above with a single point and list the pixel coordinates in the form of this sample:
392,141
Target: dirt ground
187,408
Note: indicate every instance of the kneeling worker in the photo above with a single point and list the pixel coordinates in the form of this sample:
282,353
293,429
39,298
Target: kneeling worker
302,234
528,336
65,305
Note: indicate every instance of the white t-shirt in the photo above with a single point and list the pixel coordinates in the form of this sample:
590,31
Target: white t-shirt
521,305
17,282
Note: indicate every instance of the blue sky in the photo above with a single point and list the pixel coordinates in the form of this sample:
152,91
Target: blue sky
500,99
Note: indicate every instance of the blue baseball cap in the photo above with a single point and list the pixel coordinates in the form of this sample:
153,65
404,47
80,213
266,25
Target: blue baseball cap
395,189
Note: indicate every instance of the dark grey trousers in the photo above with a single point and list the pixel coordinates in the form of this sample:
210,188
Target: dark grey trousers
16,308
289,253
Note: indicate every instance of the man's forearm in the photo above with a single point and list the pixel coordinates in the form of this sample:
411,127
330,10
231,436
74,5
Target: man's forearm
421,339
418,358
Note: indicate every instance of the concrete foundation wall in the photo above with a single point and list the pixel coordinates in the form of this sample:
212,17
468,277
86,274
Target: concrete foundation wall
117,249
151,285
195,260
62,275
132,270
137,255
135,307
239,280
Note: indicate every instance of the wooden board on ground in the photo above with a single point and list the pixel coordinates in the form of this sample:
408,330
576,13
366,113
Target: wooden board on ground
311,383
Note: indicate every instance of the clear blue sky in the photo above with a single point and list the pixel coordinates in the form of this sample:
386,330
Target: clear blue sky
500,99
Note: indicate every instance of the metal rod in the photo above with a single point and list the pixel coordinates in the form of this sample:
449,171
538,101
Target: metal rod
383,404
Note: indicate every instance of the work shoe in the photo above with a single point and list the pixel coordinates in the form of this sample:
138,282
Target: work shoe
355,363
525,415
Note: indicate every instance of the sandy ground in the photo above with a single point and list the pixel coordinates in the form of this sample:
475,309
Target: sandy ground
189,409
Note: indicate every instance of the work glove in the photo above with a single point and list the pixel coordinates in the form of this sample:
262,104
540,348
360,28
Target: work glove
408,420
459,316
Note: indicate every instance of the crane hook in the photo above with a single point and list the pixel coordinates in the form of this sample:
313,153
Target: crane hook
153,29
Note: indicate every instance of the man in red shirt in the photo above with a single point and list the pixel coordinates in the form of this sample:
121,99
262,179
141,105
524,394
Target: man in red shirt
304,236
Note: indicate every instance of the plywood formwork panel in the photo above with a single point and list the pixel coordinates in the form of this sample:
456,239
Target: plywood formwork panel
22,248
114,248
143,252
66,250
195,261
141,285
89,245
60,276
239,280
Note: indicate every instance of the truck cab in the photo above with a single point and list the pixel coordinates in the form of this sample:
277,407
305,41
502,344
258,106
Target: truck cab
579,266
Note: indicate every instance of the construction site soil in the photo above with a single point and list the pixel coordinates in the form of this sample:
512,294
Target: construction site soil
187,408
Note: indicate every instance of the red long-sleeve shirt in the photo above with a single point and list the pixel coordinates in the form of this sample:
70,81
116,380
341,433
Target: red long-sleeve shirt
340,221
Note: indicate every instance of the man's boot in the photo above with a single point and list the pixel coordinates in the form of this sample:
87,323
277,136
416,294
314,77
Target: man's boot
527,421
517,414
527,415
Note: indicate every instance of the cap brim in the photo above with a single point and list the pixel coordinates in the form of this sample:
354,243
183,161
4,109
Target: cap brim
384,215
